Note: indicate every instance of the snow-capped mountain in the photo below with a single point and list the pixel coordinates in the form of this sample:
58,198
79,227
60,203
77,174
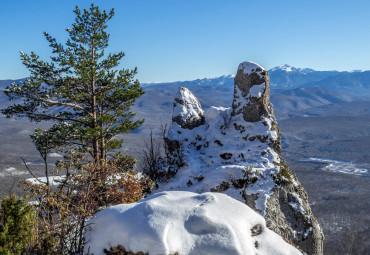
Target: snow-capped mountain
287,77
288,68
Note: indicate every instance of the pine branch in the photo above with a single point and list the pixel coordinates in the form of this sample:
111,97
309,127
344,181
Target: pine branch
49,117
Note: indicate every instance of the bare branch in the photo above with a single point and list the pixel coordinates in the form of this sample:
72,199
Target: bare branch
30,171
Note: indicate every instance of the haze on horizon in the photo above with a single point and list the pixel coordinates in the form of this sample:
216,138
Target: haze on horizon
185,40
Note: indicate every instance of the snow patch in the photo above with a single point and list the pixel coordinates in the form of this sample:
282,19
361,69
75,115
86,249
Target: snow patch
54,181
297,203
343,167
257,90
12,171
55,155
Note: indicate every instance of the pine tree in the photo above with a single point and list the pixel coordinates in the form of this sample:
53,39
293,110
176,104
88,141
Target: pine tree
16,225
81,89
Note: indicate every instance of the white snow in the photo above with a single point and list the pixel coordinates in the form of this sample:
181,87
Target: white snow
203,145
12,171
257,90
34,203
186,223
191,109
343,167
55,155
214,112
54,181
288,69
297,203
250,67
285,67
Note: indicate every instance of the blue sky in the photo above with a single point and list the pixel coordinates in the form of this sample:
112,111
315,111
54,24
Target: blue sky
171,40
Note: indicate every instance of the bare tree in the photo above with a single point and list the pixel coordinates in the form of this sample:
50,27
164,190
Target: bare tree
151,158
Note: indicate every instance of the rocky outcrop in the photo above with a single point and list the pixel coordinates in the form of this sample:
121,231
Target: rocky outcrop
237,151
251,92
288,213
187,111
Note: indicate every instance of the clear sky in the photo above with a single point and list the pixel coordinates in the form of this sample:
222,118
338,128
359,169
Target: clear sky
170,40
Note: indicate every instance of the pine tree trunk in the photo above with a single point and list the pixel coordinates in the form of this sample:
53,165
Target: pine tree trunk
93,108
102,141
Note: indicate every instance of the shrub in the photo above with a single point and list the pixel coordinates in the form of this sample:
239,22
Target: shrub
64,210
17,220
285,175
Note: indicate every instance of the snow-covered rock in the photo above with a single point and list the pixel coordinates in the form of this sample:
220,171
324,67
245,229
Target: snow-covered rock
237,151
187,111
251,95
185,223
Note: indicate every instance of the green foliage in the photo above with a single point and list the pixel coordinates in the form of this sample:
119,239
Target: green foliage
16,225
285,175
81,89
251,175
48,245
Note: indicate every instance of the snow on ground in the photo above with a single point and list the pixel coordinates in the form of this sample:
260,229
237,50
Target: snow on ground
54,181
203,145
12,171
343,167
55,155
186,223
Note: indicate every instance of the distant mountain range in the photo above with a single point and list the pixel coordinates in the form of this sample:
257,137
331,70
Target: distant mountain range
292,90
224,80
288,77
284,77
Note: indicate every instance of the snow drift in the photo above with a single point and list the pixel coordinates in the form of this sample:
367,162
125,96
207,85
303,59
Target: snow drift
185,223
